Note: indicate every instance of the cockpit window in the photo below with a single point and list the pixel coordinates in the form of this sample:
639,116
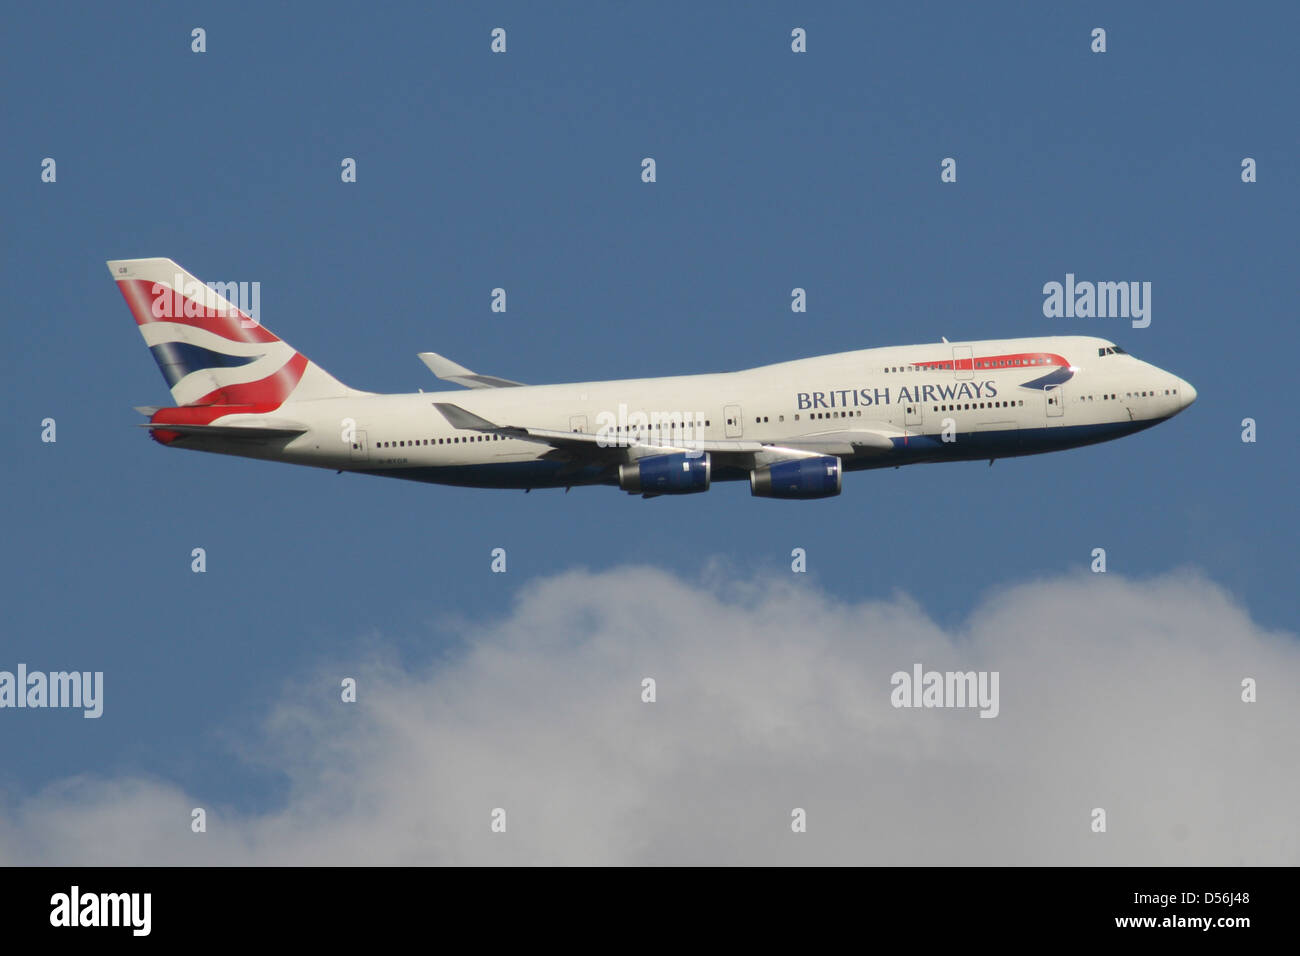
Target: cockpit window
1111,350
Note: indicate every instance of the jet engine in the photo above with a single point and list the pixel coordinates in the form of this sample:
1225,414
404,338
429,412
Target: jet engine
676,474
802,478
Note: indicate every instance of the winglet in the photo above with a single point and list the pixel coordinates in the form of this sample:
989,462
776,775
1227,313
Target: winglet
441,366
449,371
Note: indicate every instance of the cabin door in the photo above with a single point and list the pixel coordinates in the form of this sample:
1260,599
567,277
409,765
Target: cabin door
1055,396
963,362
731,415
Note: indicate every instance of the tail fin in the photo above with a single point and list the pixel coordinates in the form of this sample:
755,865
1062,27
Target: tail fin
210,352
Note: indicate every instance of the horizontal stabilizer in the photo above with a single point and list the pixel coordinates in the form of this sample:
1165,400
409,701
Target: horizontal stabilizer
449,371
237,432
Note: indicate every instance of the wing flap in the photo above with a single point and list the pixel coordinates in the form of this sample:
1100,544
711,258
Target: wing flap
849,442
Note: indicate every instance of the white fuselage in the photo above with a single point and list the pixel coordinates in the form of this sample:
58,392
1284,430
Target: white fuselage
936,402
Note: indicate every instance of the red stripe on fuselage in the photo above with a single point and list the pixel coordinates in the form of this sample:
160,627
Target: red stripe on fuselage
1010,360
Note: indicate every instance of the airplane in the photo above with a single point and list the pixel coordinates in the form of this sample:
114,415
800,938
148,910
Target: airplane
791,429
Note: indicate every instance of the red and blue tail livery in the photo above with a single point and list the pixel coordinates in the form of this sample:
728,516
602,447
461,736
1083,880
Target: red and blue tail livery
216,359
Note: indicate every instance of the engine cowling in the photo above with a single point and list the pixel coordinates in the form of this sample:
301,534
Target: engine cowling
676,474
802,478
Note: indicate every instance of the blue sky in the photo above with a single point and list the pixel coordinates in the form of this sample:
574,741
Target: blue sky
522,171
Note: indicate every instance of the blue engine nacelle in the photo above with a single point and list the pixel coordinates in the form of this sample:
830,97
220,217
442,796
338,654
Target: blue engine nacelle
679,474
802,478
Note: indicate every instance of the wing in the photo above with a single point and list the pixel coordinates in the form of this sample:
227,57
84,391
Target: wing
449,371
850,442
844,443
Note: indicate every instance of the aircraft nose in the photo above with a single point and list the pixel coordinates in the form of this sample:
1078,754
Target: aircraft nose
1186,392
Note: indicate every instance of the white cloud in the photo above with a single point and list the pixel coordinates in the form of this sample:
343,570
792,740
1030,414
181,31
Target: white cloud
771,695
